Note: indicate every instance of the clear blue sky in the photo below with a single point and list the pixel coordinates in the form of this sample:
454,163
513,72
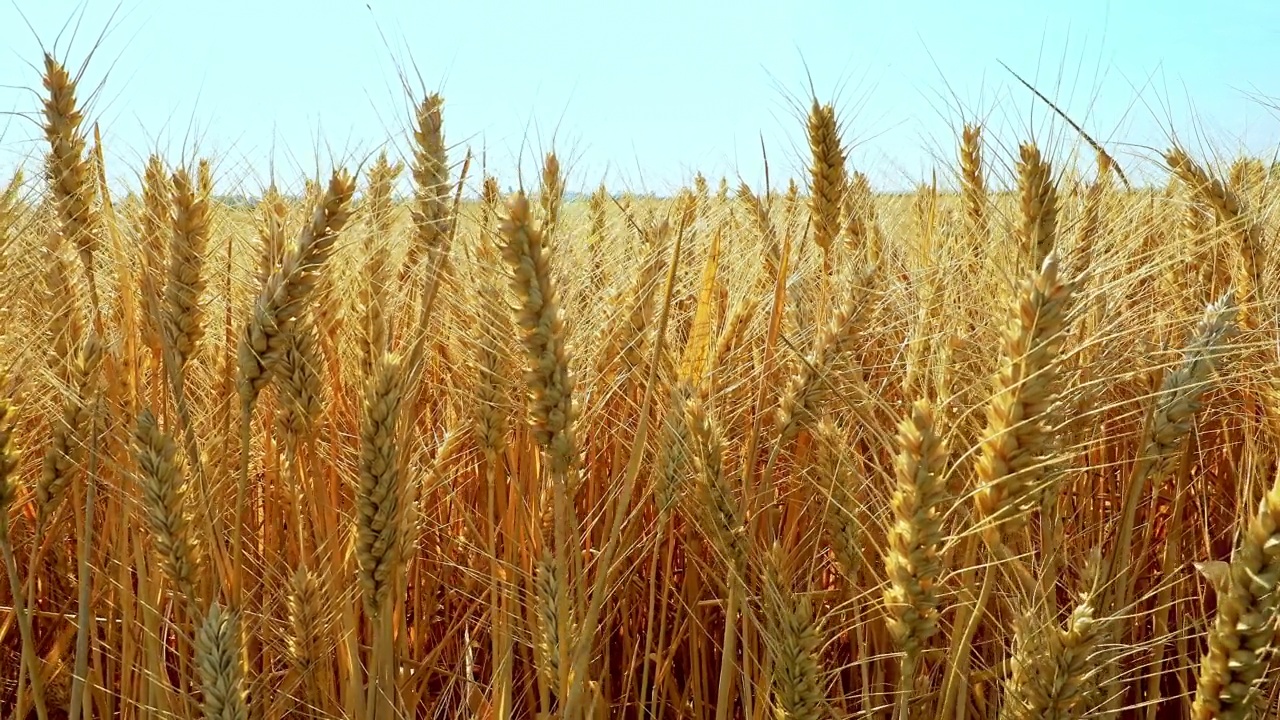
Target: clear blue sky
643,94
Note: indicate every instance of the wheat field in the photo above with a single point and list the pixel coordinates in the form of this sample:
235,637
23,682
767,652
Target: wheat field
996,451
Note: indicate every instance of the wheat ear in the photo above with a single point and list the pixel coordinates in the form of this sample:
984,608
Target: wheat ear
1011,461
164,494
826,178
915,539
1039,199
1227,205
973,188
430,213
1243,637
8,494
220,665
795,643
152,228
69,172
287,291
380,513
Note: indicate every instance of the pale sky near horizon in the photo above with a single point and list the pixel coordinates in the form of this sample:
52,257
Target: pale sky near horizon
642,95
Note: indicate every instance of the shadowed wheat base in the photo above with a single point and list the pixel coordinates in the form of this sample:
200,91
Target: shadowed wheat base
1002,452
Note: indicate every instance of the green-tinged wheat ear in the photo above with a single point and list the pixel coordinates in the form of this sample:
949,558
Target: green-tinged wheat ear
795,644
1182,390
380,493
1051,669
266,335
915,538
1011,459
674,453
493,363
1177,402
302,390
183,318
722,515
1243,637
66,449
220,665
164,495
69,173
835,478
542,335
826,176
1039,205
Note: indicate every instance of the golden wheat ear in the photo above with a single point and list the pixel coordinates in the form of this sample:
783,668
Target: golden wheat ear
827,183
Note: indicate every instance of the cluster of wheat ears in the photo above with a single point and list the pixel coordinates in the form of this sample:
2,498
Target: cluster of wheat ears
822,454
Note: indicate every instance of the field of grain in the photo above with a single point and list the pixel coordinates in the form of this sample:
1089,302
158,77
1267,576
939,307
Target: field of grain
1001,452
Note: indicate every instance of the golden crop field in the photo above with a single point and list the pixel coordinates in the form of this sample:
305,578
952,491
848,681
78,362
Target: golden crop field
1007,452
